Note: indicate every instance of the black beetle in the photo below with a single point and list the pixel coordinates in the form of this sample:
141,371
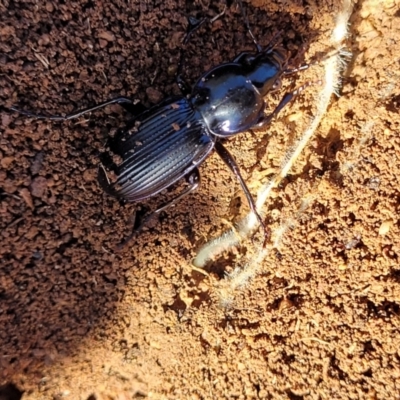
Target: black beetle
169,141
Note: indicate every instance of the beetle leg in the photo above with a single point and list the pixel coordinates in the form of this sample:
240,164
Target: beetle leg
231,163
125,102
193,179
287,98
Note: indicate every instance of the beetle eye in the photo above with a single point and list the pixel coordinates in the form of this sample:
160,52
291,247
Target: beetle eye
276,86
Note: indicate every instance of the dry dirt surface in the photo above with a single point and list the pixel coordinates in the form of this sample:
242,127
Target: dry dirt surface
80,320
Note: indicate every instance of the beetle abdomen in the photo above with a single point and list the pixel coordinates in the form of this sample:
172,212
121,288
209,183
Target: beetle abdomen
155,150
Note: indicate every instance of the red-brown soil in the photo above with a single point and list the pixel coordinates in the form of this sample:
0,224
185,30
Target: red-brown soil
79,320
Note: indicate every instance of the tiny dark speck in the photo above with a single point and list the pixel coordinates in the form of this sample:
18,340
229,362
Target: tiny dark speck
37,255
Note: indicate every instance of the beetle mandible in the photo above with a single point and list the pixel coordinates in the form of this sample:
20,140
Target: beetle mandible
169,141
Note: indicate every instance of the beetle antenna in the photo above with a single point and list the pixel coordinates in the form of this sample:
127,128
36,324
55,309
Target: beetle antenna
193,25
218,15
338,53
273,42
247,26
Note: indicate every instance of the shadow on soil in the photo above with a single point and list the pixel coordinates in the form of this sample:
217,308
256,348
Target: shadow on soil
59,280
